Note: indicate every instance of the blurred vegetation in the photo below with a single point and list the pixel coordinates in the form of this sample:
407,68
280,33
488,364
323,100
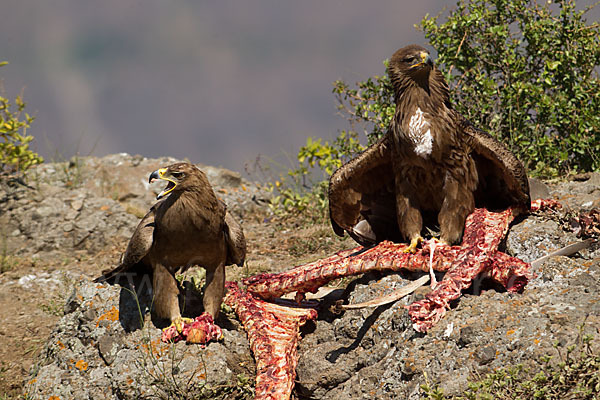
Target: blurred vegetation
526,72
15,155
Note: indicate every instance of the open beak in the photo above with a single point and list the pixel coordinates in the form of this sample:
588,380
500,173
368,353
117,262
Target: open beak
160,174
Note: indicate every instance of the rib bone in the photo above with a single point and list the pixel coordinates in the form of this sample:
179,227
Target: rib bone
379,301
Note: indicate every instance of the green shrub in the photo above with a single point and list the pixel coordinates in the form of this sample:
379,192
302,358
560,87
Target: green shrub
369,106
15,155
527,72
304,188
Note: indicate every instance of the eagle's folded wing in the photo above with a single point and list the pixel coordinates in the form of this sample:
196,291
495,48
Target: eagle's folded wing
139,245
236,242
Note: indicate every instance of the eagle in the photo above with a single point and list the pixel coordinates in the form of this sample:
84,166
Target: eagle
431,168
187,226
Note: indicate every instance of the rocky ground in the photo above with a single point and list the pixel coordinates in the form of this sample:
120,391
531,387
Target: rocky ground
61,335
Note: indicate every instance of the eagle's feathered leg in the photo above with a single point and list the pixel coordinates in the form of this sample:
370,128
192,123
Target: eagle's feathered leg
166,300
409,216
214,290
457,204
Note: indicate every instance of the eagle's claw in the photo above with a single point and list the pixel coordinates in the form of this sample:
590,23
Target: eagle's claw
414,243
200,330
179,323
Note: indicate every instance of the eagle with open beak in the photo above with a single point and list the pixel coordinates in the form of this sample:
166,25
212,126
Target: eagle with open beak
187,226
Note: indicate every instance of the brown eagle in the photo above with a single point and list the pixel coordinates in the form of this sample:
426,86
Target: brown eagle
432,164
188,227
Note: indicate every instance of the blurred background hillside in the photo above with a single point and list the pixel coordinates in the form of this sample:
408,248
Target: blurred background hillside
217,82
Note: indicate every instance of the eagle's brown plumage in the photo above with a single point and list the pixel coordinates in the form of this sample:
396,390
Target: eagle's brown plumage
189,227
431,164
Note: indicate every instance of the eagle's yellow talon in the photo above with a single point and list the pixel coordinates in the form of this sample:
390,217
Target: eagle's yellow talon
414,243
179,323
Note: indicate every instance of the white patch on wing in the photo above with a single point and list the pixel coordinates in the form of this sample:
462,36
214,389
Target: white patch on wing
420,134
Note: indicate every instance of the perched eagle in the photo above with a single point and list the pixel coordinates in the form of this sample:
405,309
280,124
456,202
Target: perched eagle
188,227
432,167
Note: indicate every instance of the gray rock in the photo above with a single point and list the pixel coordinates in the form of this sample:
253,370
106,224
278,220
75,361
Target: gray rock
485,355
579,194
535,237
538,189
108,346
93,353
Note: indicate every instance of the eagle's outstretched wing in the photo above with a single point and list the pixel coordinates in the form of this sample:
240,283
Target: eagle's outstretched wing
363,190
502,177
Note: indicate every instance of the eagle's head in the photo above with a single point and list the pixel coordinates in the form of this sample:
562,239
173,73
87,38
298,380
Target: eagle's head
180,177
410,63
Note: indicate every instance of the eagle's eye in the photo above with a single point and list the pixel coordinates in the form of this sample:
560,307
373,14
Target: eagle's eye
409,59
177,175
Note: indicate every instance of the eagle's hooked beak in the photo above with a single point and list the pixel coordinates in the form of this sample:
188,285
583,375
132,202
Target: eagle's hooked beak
425,60
161,174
